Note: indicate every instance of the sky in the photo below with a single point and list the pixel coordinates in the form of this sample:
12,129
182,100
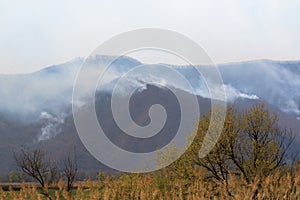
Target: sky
37,34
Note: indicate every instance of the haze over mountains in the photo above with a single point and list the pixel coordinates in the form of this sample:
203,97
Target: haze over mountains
35,109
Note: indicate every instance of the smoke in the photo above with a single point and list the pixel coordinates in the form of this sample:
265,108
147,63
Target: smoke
26,96
29,96
162,78
277,83
52,127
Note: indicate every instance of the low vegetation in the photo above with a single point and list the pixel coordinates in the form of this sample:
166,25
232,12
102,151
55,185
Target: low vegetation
251,160
162,186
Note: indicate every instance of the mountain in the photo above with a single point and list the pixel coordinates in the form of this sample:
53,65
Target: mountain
36,108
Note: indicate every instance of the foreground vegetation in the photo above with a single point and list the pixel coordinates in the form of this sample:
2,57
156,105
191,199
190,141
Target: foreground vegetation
251,160
161,186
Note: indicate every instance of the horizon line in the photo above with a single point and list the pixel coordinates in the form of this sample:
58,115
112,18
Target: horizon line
217,64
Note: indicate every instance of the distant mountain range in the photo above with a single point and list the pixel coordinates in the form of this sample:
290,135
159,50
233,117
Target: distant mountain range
35,109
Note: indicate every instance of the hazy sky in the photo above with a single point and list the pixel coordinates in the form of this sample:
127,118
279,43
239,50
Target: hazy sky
35,34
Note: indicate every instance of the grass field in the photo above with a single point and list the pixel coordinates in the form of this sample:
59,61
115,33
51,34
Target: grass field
276,186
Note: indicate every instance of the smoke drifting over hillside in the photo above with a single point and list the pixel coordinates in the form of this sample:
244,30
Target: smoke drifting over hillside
46,95
277,83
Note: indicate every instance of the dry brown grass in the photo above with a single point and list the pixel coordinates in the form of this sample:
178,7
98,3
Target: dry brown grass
276,186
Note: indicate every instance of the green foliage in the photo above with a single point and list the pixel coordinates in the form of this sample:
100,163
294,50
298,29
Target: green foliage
251,145
15,177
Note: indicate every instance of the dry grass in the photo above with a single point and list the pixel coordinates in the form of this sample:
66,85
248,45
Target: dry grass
276,186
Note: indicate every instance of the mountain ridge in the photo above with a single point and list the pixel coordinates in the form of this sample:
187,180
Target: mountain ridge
35,109
81,60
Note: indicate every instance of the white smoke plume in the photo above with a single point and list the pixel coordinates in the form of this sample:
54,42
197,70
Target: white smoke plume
27,96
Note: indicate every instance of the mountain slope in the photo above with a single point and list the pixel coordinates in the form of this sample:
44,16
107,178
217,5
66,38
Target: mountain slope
35,109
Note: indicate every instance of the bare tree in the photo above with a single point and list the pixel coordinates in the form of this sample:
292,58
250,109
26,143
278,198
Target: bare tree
34,164
70,170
